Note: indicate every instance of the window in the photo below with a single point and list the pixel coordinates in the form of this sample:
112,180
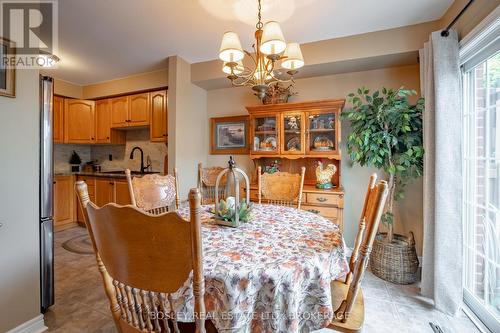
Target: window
481,201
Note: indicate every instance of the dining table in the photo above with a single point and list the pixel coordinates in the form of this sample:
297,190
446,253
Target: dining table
270,274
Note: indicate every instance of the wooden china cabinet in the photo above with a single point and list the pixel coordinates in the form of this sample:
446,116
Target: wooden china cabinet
296,135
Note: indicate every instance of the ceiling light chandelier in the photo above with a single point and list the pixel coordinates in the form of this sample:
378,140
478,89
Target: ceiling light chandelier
270,47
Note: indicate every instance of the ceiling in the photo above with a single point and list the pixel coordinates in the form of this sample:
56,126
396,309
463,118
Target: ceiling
101,40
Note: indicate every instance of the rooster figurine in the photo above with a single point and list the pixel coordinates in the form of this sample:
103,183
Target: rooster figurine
324,175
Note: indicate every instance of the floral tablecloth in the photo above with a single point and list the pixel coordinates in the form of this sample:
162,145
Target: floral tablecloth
271,274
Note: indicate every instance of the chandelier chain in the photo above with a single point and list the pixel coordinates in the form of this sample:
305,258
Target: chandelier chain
259,24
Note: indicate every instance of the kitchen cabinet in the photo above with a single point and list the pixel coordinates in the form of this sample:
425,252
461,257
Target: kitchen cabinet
122,195
104,133
79,121
58,120
103,121
132,110
139,110
158,128
119,111
64,200
104,191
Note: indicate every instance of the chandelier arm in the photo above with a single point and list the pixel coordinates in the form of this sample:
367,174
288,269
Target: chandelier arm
246,80
242,84
246,72
272,63
281,80
252,57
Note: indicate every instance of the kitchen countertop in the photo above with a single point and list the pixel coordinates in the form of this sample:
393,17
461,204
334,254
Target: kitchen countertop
96,174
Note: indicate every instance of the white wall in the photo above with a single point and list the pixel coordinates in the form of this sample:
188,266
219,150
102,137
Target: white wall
187,106
19,236
232,101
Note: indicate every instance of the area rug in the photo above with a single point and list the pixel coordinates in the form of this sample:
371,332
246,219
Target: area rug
79,244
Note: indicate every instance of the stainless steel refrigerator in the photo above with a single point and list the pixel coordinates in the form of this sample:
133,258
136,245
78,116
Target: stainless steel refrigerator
46,193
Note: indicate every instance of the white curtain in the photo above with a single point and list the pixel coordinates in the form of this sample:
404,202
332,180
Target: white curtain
442,249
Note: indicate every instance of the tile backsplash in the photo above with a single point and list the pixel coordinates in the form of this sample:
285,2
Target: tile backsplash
62,153
120,153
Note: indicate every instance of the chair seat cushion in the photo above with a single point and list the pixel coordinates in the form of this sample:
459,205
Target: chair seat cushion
355,319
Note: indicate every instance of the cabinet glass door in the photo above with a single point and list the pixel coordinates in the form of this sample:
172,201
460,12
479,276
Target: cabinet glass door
265,134
292,133
321,133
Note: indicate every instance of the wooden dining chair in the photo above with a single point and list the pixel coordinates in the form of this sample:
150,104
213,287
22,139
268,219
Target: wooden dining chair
281,188
143,259
206,184
347,296
154,193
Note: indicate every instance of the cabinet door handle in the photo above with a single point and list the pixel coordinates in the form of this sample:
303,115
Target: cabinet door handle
92,138
315,211
107,137
321,199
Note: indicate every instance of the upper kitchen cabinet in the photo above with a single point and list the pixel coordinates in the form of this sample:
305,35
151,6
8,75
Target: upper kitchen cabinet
58,134
104,121
132,110
139,110
79,121
158,129
119,111
104,133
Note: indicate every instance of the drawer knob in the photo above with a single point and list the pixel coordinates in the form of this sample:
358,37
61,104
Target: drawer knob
315,211
321,199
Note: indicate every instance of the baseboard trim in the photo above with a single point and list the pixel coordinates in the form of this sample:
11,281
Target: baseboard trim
34,325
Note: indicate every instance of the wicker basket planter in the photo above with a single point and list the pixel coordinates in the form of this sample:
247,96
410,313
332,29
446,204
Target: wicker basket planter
396,262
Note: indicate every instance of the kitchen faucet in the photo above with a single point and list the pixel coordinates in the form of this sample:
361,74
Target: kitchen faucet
143,168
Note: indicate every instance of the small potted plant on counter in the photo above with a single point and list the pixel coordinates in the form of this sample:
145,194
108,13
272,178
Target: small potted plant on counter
386,133
75,161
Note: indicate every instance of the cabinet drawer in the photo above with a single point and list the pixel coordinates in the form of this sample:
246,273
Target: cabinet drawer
328,212
87,179
90,181
324,199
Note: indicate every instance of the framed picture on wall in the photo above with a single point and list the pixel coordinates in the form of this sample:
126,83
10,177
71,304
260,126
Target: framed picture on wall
229,135
7,73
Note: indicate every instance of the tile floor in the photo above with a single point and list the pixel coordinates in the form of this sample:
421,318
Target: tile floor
81,305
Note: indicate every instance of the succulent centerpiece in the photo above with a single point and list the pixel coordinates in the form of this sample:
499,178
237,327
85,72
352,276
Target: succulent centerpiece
232,211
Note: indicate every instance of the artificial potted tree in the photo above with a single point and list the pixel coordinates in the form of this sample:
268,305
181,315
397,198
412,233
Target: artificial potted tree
75,161
386,133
